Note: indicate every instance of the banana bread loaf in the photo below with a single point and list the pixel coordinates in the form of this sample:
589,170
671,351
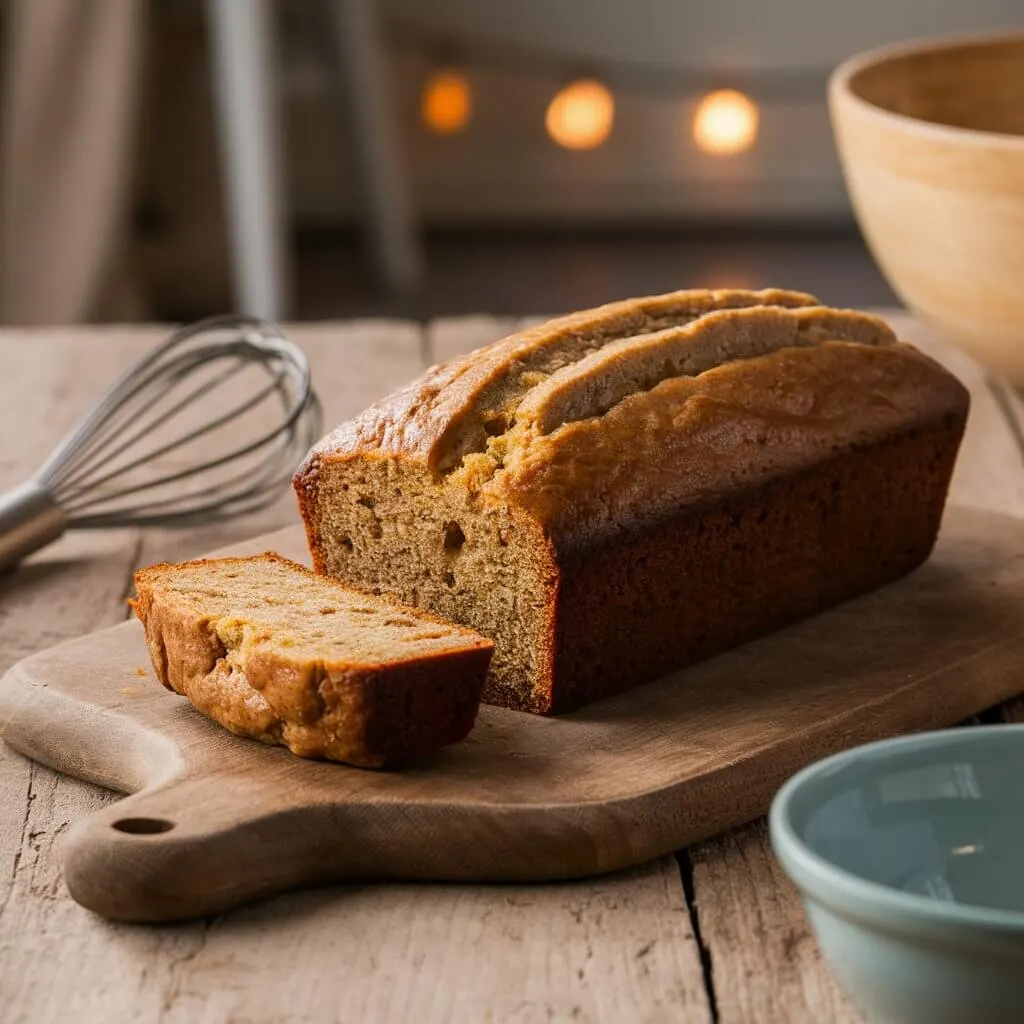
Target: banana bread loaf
271,651
616,493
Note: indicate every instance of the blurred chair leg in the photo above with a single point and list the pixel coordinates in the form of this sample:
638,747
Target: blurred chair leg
243,71
376,151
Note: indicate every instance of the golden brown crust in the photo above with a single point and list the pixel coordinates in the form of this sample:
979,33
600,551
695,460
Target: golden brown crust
628,431
603,427
731,428
591,386
418,421
369,715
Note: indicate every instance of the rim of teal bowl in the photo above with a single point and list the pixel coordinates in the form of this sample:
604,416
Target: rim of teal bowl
840,83
852,895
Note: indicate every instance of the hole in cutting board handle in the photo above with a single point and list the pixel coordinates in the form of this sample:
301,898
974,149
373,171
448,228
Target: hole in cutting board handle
143,826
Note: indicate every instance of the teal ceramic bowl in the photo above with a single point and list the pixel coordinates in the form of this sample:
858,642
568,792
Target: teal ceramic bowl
909,855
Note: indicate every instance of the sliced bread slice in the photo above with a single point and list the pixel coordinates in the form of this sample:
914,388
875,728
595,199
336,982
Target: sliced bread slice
275,652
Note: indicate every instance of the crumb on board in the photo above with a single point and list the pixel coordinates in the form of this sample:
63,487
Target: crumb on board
127,691
140,671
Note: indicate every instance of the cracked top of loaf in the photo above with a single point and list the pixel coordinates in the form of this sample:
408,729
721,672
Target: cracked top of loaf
615,414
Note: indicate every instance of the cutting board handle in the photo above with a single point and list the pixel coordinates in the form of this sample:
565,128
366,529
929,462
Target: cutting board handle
193,847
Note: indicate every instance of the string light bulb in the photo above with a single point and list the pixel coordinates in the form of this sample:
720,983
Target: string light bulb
447,102
581,115
725,122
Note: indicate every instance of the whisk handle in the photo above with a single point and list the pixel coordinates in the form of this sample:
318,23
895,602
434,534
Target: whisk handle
30,518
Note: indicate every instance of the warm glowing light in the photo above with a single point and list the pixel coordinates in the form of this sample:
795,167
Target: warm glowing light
581,115
447,103
725,122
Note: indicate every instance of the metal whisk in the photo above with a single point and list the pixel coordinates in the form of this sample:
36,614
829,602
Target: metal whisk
184,437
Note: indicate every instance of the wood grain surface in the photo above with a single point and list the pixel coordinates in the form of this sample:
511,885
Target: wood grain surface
662,943
524,798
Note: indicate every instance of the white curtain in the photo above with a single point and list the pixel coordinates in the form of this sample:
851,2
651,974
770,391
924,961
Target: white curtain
71,79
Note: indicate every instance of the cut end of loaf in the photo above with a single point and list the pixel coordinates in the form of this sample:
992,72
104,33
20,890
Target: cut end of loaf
389,528
275,652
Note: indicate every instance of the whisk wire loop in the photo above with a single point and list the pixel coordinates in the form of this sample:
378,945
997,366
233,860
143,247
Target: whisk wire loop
122,464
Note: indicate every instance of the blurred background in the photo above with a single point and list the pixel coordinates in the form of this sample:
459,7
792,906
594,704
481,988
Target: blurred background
311,159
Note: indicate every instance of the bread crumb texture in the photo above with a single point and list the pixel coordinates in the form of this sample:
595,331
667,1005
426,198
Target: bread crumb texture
277,653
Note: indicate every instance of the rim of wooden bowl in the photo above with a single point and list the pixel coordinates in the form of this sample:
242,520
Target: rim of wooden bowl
840,88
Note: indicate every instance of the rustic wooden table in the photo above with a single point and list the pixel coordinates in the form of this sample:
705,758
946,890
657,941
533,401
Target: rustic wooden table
715,933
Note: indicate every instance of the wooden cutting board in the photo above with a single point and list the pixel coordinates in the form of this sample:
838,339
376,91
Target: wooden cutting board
216,820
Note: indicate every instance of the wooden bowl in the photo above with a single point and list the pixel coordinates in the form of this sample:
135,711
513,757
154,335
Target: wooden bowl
931,139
